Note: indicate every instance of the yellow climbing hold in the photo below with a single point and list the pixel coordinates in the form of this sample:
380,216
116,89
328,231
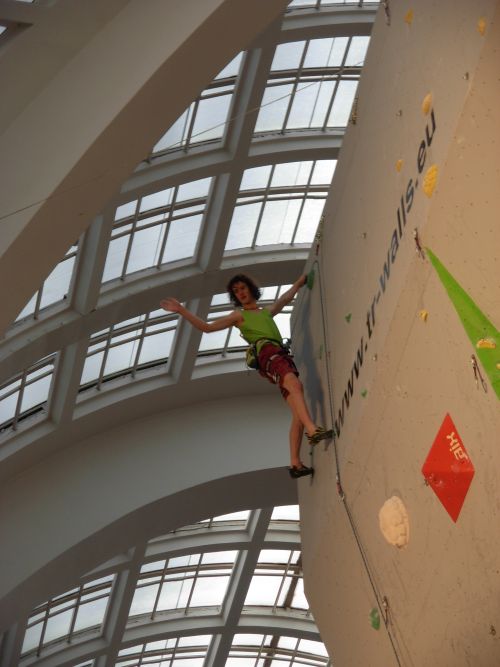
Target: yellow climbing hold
481,25
426,104
399,165
423,314
409,17
486,344
430,179
498,366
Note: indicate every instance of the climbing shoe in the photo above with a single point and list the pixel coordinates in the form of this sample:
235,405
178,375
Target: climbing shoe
320,434
295,472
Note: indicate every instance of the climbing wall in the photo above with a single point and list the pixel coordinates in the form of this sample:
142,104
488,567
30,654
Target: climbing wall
399,349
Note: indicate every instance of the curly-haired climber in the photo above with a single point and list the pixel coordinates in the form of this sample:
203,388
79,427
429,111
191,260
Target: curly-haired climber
258,328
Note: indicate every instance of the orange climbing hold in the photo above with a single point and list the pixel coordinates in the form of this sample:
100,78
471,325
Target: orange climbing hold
409,17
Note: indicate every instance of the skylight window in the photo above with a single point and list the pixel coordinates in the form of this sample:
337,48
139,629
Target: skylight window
174,652
196,580
280,203
250,650
206,118
26,393
128,346
161,227
312,84
54,289
66,615
277,581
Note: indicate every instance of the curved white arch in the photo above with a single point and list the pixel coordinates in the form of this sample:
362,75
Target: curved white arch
133,482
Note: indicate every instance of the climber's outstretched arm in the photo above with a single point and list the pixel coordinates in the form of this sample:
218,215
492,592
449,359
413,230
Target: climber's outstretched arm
172,305
287,296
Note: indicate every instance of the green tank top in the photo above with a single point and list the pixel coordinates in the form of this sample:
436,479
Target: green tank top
259,324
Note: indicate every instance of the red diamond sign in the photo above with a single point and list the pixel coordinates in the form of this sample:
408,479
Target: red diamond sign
448,469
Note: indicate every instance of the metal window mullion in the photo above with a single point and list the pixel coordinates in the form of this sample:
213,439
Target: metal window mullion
257,225
105,356
22,386
226,343
173,650
261,648
142,655
75,612
295,85
337,83
283,578
44,628
131,239
141,342
295,652
303,203
38,301
187,140
158,593
167,222
195,579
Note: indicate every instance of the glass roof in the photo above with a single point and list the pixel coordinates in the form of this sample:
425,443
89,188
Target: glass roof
206,118
184,587
128,346
312,84
26,393
239,179
167,224
181,221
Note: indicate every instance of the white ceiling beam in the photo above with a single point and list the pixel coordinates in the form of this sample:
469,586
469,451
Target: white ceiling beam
146,55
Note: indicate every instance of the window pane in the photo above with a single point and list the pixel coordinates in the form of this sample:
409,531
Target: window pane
210,118
91,614
256,177
182,238
115,258
287,56
278,222
274,105
209,591
341,109
145,248
156,347
58,626
327,52
243,226
36,393
143,600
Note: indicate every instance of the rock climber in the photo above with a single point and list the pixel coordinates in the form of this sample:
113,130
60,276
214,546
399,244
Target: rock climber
258,328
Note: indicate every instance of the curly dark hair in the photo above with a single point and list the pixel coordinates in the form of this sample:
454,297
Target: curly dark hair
241,278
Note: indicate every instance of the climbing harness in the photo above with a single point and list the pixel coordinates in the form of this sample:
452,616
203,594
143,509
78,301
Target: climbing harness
252,356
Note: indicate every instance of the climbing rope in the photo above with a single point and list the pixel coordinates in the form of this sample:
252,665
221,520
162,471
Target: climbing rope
382,601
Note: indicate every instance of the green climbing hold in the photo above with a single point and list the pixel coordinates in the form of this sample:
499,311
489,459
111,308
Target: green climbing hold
348,317
310,279
364,393
375,619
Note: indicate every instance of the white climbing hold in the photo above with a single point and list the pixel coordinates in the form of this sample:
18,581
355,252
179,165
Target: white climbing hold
394,522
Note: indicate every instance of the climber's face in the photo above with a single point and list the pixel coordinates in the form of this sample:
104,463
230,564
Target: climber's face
243,294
